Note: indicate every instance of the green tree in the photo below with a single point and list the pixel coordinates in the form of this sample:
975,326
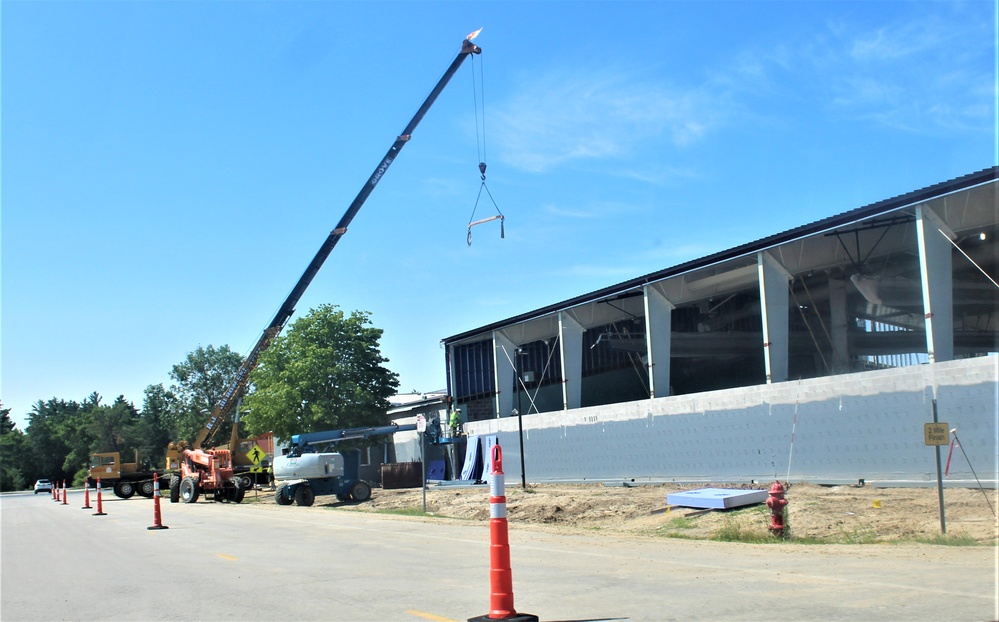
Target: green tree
114,428
325,373
54,432
12,442
200,381
78,434
154,429
14,465
6,423
13,449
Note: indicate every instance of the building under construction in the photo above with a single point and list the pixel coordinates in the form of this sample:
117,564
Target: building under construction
816,354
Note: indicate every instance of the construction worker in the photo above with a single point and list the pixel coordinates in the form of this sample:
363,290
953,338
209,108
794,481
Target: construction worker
455,421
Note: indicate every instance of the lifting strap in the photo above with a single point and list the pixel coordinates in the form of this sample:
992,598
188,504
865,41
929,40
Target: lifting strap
499,215
480,130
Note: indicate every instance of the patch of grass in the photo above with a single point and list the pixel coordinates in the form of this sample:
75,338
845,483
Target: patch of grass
857,537
951,539
807,540
674,528
677,535
261,497
680,522
731,531
410,511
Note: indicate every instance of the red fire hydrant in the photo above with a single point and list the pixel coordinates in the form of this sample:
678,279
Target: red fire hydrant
776,502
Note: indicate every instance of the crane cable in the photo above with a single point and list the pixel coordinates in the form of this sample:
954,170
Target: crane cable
480,130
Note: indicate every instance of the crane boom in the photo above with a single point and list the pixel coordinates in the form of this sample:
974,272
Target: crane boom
221,409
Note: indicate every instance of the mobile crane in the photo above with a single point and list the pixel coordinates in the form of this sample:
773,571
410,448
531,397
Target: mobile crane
197,462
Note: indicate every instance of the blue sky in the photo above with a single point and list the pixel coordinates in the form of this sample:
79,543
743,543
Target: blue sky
170,168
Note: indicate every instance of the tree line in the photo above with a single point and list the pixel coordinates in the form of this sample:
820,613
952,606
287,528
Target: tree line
326,372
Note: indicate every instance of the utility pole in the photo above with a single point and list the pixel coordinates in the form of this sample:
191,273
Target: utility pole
520,414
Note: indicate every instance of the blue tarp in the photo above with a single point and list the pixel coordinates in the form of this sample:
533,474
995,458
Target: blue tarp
472,469
477,461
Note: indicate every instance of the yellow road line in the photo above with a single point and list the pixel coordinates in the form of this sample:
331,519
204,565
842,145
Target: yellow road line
428,616
229,557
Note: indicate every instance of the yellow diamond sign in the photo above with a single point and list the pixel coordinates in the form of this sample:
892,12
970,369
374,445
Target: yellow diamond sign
256,454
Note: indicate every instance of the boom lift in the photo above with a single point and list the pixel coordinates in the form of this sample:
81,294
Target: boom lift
303,473
199,463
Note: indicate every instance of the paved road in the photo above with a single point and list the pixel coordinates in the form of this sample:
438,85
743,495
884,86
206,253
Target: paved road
264,562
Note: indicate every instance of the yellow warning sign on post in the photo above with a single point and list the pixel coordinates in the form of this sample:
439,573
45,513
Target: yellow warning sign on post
936,433
256,454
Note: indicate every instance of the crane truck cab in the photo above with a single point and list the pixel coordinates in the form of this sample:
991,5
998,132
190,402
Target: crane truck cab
124,478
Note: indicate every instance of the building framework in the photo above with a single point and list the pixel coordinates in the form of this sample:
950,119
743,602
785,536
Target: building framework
905,281
854,328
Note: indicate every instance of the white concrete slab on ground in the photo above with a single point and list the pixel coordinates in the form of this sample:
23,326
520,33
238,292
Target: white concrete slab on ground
716,498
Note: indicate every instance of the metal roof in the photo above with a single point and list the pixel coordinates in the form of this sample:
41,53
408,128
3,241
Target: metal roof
874,209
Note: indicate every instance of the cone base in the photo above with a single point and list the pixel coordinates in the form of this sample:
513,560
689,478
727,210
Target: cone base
100,513
158,527
86,507
517,617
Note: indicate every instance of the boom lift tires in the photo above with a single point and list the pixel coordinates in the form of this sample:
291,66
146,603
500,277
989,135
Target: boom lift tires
281,495
304,496
360,491
174,488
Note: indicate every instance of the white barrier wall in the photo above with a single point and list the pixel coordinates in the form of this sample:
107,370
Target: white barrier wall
845,428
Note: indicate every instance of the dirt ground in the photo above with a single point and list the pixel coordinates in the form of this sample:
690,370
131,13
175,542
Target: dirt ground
819,514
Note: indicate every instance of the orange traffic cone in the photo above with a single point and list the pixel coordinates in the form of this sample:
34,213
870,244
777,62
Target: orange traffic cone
157,518
500,575
100,506
64,492
86,495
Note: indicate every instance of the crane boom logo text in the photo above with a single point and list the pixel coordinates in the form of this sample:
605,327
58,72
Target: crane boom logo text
381,171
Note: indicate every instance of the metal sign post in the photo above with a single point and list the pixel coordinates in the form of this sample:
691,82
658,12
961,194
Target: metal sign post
938,434
421,427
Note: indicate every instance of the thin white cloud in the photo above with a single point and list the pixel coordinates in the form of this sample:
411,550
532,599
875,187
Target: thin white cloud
597,270
566,212
927,70
591,210
901,40
568,118
927,73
